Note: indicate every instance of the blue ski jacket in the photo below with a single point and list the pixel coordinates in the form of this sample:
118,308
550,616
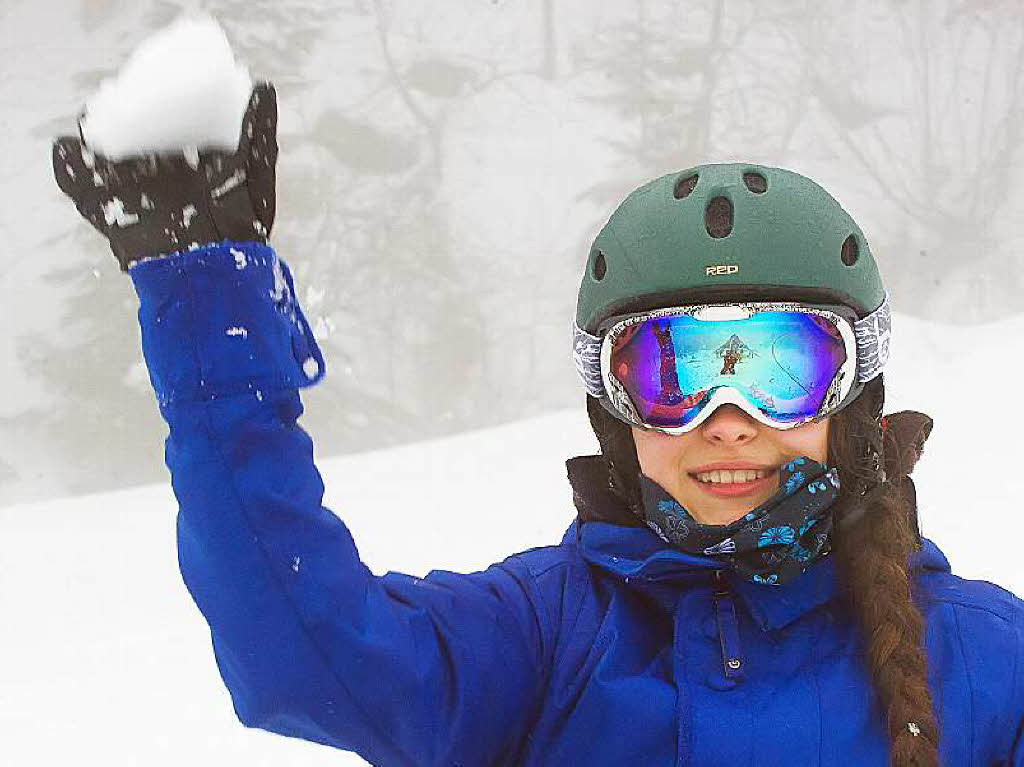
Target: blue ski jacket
609,648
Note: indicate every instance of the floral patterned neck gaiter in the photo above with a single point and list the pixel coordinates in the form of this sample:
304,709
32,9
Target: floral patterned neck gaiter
773,543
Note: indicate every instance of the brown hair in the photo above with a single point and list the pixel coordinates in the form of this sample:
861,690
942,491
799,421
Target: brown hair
870,554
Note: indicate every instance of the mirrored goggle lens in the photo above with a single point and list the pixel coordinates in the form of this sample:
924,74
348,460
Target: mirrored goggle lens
782,361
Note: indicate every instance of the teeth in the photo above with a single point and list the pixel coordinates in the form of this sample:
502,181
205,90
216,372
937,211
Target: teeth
726,476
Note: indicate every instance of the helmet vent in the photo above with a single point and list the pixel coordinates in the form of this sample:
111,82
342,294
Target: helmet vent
600,267
718,217
755,182
684,186
849,252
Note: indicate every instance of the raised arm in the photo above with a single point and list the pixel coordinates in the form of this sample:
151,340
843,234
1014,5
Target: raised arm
442,670
447,669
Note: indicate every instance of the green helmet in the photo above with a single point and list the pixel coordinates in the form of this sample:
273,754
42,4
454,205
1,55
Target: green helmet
727,231
730,232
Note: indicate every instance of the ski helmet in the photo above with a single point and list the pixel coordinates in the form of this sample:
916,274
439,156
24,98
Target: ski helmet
727,232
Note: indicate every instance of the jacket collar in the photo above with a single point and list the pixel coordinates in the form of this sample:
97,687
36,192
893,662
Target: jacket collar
634,553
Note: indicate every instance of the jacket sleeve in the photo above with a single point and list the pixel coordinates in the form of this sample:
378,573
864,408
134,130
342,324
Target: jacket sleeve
447,669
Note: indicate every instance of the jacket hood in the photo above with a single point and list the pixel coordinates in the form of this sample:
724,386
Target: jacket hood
636,555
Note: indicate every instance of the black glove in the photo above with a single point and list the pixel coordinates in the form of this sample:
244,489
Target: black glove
162,203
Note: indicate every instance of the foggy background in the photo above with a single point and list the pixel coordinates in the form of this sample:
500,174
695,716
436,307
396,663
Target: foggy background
445,165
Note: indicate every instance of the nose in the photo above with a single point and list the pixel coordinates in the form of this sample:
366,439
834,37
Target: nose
729,425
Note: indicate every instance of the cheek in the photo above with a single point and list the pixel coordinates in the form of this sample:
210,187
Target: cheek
810,440
660,454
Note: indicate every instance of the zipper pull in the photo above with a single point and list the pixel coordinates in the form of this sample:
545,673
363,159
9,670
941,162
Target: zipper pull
728,629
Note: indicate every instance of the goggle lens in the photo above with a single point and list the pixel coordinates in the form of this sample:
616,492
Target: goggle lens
783,362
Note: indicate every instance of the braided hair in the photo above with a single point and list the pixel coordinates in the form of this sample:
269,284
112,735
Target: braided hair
874,536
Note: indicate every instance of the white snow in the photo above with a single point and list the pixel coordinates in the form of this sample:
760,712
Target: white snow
113,213
181,88
280,291
191,154
231,182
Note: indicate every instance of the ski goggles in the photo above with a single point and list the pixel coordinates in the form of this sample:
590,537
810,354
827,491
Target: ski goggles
783,363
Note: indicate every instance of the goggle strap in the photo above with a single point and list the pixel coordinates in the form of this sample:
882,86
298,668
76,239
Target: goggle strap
586,353
872,333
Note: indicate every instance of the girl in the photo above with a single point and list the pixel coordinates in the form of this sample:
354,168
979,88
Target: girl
745,582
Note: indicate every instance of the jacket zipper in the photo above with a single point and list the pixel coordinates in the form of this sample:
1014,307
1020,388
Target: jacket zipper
728,629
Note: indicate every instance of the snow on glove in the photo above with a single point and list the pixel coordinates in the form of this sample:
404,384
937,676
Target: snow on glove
161,203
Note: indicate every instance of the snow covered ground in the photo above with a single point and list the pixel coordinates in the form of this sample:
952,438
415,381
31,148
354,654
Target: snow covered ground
105,659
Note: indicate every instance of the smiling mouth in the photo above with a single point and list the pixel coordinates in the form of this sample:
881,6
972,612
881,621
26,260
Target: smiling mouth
732,489
732,476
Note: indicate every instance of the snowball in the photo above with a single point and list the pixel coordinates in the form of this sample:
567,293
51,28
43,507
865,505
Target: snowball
180,89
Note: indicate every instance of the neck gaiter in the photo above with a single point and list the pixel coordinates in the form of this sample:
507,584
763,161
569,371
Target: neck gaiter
773,543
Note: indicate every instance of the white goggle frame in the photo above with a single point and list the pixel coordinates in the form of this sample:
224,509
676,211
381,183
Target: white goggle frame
866,341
